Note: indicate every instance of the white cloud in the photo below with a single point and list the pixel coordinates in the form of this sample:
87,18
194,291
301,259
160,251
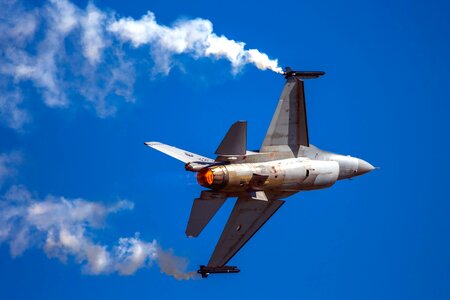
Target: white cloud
12,30
8,164
64,228
107,83
93,39
43,70
60,49
59,18
11,112
66,51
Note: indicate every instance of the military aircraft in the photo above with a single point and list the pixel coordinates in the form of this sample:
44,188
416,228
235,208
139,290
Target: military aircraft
286,164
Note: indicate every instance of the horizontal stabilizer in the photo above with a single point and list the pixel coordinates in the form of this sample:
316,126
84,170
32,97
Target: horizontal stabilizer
180,154
203,209
235,141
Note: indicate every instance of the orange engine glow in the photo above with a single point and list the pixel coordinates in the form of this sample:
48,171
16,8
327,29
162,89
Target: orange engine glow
209,176
205,177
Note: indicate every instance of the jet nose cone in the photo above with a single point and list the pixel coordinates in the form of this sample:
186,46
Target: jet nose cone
363,167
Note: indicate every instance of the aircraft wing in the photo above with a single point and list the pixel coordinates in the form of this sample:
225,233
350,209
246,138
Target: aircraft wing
180,154
289,125
247,217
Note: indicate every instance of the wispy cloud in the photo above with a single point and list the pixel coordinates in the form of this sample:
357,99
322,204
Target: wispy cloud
8,165
61,50
68,53
63,228
11,112
93,37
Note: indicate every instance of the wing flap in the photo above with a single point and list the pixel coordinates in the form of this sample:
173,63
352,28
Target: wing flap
247,217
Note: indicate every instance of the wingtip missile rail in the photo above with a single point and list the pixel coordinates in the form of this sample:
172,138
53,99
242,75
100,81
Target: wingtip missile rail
205,270
302,74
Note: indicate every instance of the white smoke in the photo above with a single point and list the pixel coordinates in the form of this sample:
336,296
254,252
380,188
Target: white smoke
63,228
194,37
64,51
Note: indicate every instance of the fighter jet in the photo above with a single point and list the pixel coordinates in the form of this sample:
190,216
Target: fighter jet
285,165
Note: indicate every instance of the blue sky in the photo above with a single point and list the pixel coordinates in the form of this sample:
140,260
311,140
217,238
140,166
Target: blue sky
75,111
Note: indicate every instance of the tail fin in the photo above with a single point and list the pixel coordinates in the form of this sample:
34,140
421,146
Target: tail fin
235,141
289,126
288,129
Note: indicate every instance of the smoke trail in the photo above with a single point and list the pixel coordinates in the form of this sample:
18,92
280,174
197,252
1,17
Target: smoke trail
194,37
67,51
63,229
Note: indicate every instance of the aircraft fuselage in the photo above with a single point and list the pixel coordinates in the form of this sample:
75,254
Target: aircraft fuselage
321,170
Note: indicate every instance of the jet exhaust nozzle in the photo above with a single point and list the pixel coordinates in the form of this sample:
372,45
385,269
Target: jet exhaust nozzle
214,177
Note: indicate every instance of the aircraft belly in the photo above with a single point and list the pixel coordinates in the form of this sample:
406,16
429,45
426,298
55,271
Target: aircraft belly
239,176
284,174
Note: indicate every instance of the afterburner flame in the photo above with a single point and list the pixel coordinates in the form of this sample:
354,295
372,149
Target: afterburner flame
209,176
205,177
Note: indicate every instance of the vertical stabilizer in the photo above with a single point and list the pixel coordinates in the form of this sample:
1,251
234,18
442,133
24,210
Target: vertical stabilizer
289,126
